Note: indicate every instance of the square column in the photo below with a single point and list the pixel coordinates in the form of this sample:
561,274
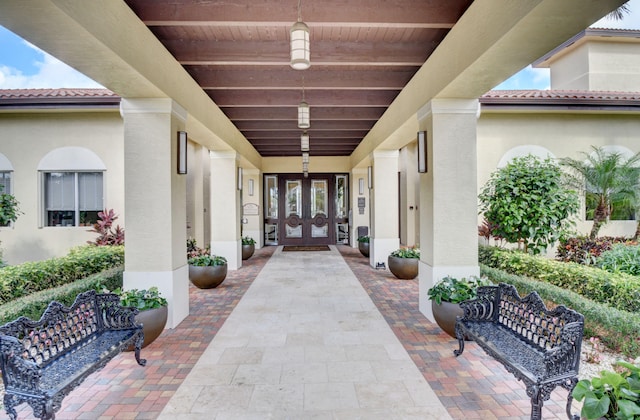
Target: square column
384,206
360,204
225,208
448,194
252,214
155,202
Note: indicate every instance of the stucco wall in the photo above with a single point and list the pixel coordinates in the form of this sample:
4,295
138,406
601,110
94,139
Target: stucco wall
32,137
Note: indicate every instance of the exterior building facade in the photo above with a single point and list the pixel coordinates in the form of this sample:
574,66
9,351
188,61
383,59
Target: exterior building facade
222,196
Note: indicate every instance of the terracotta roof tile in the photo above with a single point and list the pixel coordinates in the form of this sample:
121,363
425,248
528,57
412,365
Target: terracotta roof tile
54,93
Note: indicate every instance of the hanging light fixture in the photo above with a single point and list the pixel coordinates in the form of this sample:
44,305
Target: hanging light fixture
304,142
300,53
304,114
305,158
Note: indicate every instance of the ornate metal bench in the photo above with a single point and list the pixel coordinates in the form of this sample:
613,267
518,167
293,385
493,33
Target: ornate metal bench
540,347
42,361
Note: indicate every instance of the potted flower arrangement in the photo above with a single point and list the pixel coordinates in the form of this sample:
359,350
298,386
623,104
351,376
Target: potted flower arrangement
363,245
612,395
446,296
248,247
207,271
152,307
403,262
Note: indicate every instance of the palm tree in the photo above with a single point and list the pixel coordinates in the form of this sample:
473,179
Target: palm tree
607,178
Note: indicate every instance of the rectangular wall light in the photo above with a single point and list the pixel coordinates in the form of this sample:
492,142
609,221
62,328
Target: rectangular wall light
422,152
182,152
361,186
370,176
240,179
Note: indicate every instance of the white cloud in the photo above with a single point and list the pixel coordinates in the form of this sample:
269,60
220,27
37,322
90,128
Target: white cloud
52,73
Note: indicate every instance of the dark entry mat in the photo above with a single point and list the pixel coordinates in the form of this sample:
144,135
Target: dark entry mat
306,248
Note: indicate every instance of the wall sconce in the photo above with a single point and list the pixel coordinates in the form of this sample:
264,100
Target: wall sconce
422,152
240,179
182,152
251,187
361,186
370,176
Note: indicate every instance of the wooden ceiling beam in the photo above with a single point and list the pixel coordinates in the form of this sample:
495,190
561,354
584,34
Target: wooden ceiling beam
345,98
291,113
425,12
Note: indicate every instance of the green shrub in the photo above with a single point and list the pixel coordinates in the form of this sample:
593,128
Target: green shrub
33,305
617,290
614,327
23,279
621,259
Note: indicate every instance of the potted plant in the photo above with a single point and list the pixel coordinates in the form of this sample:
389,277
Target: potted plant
446,296
248,247
363,245
403,262
612,395
153,311
207,271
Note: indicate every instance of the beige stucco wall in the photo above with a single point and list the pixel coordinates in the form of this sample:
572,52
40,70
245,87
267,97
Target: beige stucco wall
598,63
26,139
563,135
317,164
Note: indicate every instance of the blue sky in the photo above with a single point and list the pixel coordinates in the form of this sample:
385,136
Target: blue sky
23,65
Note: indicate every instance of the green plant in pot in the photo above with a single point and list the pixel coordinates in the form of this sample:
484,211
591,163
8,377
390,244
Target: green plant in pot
363,245
612,395
207,271
403,262
153,311
446,296
248,247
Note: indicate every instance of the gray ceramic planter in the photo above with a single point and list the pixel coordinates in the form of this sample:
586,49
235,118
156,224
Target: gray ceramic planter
207,277
445,315
403,268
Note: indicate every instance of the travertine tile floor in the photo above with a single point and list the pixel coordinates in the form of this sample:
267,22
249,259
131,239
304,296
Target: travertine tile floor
305,342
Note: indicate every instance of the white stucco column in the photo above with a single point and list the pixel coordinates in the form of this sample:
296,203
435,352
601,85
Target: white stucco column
384,206
448,194
225,208
252,214
155,202
359,203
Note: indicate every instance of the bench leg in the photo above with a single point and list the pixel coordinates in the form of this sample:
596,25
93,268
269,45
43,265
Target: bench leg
9,403
460,337
571,383
138,347
537,401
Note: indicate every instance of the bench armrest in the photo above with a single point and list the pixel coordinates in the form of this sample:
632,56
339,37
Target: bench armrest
115,316
17,372
482,308
565,357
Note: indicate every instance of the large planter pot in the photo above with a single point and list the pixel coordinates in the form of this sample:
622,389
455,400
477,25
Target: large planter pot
445,314
207,277
403,268
364,248
153,322
247,251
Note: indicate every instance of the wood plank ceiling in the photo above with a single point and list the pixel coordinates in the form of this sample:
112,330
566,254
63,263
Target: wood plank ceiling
363,53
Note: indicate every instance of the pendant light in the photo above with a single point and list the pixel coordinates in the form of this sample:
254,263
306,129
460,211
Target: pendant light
304,142
300,53
304,114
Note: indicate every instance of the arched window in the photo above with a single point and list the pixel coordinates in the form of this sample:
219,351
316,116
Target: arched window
72,187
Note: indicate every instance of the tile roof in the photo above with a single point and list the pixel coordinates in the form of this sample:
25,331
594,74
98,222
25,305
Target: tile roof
54,93
574,99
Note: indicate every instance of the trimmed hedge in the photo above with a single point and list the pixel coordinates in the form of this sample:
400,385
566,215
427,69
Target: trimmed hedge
615,328
24,279
33,305
618,290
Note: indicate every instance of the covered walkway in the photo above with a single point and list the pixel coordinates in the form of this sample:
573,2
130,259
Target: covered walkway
294,335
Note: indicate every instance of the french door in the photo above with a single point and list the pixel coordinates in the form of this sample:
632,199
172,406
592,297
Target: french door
308,210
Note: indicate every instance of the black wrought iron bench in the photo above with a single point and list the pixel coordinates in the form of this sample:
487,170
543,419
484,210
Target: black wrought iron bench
42,361
540,347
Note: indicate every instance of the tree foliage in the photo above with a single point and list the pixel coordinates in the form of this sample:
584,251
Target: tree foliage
608,178
527,203
9,208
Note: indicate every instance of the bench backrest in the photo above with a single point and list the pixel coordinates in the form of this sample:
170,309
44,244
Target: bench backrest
59,329
529,317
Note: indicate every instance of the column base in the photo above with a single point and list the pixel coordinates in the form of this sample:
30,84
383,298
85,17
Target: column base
231,250
173,285
428,276
379,250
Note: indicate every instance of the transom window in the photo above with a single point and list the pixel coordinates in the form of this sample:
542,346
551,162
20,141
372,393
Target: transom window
73,198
